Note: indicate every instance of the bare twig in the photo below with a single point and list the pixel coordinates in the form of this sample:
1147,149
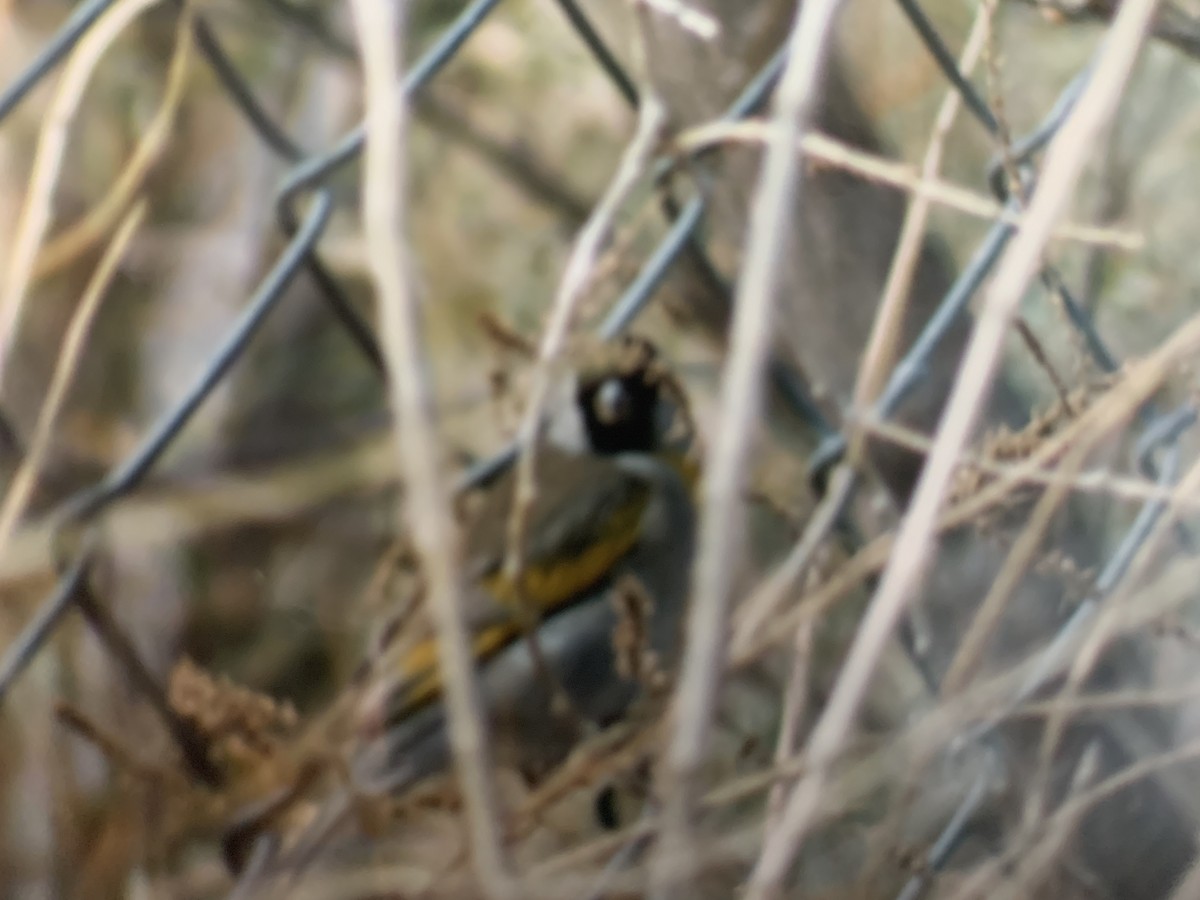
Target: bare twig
687,18
581,268
23,482
795,705
193,744
923,186
168,514
1014,873
60,250
43,181
1141,380
433,528
512,159
887,330
762,605
741,396
1068,816
1003,133
1102,481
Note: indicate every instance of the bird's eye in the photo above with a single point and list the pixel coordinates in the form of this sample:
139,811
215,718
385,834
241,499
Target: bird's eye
612,403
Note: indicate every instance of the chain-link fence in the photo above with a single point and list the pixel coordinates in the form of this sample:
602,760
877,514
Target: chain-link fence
939,640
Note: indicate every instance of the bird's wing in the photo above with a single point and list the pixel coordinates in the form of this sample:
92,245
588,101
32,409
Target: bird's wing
574,536
573,541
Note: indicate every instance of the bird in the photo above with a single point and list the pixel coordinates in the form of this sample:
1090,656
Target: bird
610,533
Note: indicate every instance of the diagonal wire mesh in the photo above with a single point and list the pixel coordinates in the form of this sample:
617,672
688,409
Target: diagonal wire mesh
1008,680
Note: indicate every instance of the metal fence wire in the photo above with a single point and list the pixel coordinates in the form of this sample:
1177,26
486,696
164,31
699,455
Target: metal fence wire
940,658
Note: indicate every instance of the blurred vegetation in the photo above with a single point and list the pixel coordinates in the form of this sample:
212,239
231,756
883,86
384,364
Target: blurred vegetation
261,546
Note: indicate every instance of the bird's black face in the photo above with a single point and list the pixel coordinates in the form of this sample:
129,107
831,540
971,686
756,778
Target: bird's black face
620,413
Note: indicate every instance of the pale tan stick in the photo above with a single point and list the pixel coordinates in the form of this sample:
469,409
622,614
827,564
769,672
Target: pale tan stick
65,365
1107,626
940,724
1072,812
886,333
428,496
719,542
872,167
43,180
795,704
1105,482
60,250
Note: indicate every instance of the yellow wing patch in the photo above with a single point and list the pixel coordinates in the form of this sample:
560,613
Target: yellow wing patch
547,584
420,671
545,587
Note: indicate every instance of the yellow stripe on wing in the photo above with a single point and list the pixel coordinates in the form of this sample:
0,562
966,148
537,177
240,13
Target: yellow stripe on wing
546,587
421,675
547,584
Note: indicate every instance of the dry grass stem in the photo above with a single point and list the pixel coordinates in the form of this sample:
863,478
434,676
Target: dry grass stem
761,606
1141,380
37,209
428,498
883,345
873,696
1067,817
61,250
835,153
172,514
19,491
795,708
741,393
1102,482
687,17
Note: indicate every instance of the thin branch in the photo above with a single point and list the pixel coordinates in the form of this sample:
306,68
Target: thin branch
90,229
193,744
176,512
695,21
760,608
795,706
17,498
872,167
1139,382
513,161
720,538
887,330
1070,814
37,209
434,531
1102,481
